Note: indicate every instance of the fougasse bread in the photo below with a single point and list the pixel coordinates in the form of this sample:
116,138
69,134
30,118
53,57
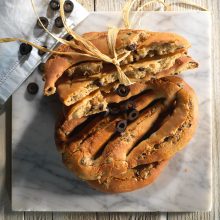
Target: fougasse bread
113,162
141,44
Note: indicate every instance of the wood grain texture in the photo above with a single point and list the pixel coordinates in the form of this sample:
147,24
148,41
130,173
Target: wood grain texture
2,162
88,4
130,216
5,139
74,216
38,216
189,216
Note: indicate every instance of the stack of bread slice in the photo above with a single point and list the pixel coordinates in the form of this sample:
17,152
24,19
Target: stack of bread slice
87,86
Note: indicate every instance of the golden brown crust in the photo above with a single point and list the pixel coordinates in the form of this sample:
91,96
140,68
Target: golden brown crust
167,121
161,43
134,180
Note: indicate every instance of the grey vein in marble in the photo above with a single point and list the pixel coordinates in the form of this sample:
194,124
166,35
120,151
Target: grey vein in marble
40,182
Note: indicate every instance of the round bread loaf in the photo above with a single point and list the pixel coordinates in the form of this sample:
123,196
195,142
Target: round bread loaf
114,162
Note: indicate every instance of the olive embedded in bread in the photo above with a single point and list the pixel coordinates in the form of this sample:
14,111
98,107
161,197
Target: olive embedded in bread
133,115
122,90
121,126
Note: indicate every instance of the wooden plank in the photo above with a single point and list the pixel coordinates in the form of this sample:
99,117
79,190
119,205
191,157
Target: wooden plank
5,166
183,7
2,162
38,216
14,216
88,4
131,216
113,5
189,216
74,216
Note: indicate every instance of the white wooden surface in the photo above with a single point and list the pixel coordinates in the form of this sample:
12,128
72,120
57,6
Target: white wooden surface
5,139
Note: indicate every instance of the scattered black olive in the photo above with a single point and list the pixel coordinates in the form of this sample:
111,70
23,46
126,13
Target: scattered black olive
114,109
68,6
133,115
141,69
44,21
157,146
41,67
41,52
122,90
121,126
32,88
167,139
59,22
25,49
129,105
54,5
69,37
131,47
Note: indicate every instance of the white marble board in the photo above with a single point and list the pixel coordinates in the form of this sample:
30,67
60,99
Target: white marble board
40,182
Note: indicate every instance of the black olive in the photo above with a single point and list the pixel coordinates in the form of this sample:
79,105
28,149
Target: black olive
25,49
121,126
166,139
41,52
114,109
133,115
59,22
122,90
129,105
98,83
101,107
141,69
68,6
54,5
41,67
69,37
32,88
44,21
131,47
